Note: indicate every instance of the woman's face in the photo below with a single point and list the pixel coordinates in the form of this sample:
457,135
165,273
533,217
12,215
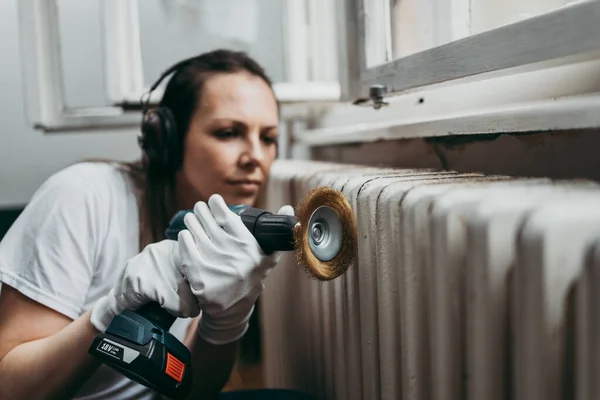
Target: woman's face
231,142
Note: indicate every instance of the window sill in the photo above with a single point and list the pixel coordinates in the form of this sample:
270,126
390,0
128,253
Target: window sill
285,92
548,96
92,119
297,100
546,115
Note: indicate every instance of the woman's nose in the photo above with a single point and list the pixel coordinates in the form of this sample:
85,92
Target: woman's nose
254,153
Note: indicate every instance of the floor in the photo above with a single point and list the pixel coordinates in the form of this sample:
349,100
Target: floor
245,377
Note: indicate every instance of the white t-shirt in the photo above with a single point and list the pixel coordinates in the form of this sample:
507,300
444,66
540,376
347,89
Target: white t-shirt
69,245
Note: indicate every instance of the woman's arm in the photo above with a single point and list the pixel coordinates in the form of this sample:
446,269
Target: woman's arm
212,364
225,268
43,354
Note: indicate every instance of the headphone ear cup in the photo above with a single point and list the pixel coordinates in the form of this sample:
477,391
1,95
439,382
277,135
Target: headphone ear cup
172,145
159,139
150,140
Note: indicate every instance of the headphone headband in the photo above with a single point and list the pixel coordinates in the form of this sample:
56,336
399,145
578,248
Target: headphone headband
159,138
162,76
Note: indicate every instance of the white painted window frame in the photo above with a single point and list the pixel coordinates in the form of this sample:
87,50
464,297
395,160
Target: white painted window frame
569,31
546,81
44,94
305,64
42,68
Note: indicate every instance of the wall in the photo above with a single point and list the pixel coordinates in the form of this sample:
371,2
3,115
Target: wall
28,157
557,155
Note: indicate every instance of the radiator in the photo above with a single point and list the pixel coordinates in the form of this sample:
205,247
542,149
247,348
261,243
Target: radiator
465,286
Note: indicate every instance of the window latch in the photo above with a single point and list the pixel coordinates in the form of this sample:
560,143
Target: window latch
375,99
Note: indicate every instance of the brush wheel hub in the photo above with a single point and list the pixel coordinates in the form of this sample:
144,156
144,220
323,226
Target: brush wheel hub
325,233
317,233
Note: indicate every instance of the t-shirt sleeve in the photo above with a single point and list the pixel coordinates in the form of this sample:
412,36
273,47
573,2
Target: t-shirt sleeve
48,254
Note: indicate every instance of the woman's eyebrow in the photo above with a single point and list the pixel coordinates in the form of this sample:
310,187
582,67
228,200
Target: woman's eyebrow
240,123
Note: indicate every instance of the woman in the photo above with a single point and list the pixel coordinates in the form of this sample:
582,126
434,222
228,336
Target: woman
72,260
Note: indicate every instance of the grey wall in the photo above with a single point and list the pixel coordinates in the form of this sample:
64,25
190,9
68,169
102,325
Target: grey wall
557,155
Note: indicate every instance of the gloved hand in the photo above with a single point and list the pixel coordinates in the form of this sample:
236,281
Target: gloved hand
150,276
225,267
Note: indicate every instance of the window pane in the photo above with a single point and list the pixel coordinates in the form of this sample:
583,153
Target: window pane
490,14
81,53
418,25
412,26
174,30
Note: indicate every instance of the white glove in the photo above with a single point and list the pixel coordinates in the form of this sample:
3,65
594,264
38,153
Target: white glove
225,267
150,276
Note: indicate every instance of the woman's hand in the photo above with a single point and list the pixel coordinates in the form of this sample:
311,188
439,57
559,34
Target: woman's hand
225,267
151,276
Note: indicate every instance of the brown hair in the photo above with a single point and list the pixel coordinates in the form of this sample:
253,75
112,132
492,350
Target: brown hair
182,95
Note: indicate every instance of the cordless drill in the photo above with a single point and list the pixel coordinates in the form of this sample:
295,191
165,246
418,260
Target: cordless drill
138,343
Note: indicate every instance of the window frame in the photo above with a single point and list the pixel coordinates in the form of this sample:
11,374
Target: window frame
42,77
569,31
43,83
524,89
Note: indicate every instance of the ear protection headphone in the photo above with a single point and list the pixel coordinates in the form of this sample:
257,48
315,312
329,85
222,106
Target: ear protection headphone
159,138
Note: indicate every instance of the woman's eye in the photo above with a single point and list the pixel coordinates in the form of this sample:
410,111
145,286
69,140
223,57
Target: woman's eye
225,133
269,139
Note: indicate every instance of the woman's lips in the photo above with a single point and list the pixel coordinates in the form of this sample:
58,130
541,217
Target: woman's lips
245,185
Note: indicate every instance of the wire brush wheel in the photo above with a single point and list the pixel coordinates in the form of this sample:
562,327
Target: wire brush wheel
326,235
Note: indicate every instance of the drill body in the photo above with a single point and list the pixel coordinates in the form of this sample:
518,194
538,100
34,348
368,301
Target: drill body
138,343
